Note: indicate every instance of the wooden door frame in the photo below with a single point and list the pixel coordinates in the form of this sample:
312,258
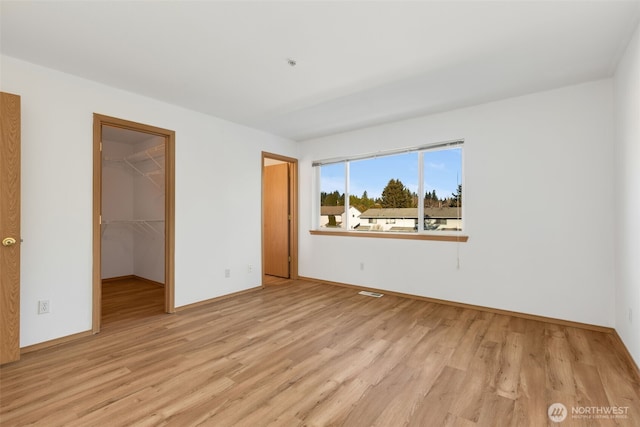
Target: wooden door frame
169,136
293,211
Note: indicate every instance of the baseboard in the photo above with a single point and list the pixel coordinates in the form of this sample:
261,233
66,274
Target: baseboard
552,320
54,342
132,277
152,282
118,278
220,298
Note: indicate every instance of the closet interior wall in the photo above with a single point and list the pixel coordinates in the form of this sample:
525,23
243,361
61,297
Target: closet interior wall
133,206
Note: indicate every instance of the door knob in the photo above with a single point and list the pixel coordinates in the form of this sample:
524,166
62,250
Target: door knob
8,241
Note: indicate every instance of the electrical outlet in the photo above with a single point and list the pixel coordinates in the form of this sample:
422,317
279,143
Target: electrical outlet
43,306
227,272
362,266
249,268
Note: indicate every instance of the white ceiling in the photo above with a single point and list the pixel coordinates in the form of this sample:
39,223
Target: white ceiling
358,63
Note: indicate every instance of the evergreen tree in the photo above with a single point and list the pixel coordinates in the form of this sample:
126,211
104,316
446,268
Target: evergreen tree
361,203
366,200
355,202
396,195
414,199
332,199
323,197
431,199
456,198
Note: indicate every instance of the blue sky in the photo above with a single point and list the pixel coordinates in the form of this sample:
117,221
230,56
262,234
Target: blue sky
442,173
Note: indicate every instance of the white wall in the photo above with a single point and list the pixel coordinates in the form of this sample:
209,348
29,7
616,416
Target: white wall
117,204
218,170
149,204
538,179
627,202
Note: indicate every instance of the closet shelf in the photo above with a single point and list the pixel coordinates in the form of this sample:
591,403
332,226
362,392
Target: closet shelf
148,163
140,225
148,154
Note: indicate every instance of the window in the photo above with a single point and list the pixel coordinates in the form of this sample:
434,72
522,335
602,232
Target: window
332,191
390,192
443,189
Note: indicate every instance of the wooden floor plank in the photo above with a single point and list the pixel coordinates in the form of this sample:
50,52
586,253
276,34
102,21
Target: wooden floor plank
532,402
436,406
510,360
302,353
480,378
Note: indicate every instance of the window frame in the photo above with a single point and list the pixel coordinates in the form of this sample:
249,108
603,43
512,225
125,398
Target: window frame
421,233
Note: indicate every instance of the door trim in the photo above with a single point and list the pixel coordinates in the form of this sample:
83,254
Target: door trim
100,120
293,211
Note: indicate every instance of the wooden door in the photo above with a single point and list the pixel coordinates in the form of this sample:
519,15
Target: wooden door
276,220
9,227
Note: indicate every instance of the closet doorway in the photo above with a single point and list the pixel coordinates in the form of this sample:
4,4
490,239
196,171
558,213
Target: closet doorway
279,218
133,209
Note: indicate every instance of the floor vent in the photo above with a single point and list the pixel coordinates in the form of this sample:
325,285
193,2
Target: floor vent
370,294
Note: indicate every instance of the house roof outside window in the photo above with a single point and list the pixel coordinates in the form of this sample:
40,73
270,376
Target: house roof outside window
407,213
333,210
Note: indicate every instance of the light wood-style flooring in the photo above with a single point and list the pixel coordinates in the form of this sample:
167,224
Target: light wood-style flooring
311,354
128,300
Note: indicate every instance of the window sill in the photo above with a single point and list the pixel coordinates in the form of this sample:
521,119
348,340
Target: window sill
391,235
